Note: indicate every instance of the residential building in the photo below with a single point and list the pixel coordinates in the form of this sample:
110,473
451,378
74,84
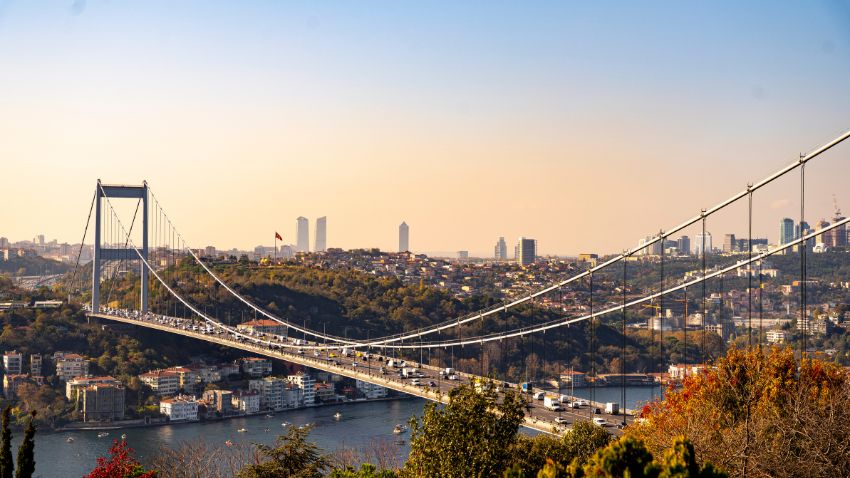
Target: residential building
73,386
246,401
70,365
729,243
101,402
526,251
271,392
13,362
188,378
206,373
724,329
325,392
370,390
227,369
321,243
776,336
219,400
263,326
180,408
293,396
302,234
683,245
308,386
500,252
35,365
403,237
463,256
162,382
678,371
256,366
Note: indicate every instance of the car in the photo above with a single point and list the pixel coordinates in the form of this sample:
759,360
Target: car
600,421
561,420
432,383
597,411
452,377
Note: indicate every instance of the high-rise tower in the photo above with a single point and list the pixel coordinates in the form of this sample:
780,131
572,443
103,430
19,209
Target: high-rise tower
500,252
403,237
302,233
321,234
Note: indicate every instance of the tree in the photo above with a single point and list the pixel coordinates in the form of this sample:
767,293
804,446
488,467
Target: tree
630,457
292,457
366,471
6,465
26,452
759,413
120,464
470,437
530,454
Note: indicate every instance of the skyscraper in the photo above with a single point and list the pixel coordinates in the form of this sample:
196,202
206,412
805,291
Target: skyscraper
321,234
683,244
729,243
786,231
403,237
302,233
501,250
700,241
526,251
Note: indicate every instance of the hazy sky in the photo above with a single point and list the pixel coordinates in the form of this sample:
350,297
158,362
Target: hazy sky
584,125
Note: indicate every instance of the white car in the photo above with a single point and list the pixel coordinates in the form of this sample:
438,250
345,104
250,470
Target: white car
561,420
600,421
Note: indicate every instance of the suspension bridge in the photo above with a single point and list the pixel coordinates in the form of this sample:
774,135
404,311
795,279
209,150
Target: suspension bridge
162,246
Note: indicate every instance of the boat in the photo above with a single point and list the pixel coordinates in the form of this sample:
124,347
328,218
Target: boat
228,443
69,440
242,430
337,415
269,415
103,434
123,437
399,429
285,424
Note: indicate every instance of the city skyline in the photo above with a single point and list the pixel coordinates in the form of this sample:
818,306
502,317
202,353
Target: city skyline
84,103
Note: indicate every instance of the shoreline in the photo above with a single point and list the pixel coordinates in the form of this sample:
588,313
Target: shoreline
113,426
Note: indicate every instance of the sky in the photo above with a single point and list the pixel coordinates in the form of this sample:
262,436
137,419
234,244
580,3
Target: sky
584,125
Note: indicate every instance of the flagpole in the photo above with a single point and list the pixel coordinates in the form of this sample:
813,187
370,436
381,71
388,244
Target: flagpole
275,247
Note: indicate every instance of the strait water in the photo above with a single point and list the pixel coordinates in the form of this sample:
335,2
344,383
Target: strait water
361,424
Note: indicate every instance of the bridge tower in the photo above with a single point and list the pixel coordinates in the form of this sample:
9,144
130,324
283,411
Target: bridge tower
117,253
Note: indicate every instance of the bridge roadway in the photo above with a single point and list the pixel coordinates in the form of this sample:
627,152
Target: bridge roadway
536,417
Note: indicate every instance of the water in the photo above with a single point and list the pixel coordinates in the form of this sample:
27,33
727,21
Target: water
361,424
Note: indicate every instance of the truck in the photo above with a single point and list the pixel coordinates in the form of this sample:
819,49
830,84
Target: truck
539,395
346,352
552,403
449,371
409,372
392,363
612,408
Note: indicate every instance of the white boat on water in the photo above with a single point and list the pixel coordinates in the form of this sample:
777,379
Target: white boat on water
123,436
69,440
337,415
399,429
285,424
103,434
242,430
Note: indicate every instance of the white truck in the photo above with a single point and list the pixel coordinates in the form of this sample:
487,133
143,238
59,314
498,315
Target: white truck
346,352
612,408
552,403
409,372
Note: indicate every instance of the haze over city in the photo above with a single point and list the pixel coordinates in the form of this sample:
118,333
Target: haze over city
468,123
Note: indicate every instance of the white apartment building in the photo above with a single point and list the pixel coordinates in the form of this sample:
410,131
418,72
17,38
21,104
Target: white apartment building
12,362
271,392
179,408
307,384
370,390
69,366
246,401
162,382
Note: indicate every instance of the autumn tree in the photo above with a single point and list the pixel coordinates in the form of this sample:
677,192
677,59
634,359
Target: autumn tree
120,464
759,413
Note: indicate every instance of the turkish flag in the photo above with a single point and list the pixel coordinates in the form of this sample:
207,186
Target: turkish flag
277,236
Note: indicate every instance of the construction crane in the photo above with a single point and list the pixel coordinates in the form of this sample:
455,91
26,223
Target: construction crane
837,209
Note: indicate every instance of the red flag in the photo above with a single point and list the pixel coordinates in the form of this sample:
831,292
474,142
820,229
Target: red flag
277,236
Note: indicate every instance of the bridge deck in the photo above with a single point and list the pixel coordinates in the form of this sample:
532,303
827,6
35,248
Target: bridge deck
537,417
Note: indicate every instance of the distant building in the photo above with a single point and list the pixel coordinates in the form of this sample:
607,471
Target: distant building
403,237
101,402
302,233
246,401
256,366
12,362
463,256
70,365
589,259
500,252
724,329
702,242
370,390
162,382
264,326
526,251
678,371
219,400
11,382
307,385
271,392
182,408
35,365
321,234
729,243
573,378
683,245
776,336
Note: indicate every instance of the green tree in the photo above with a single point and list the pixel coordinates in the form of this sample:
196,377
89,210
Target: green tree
26,452
471,437
292,457
366,470
530,454
6,465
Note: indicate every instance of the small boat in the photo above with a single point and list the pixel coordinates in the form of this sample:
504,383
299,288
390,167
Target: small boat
228,443
285,424
242,430
399,429
69,440
337,415
123,437
103,434
269,415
